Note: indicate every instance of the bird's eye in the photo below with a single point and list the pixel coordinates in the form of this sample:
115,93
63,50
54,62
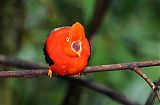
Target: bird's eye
67,39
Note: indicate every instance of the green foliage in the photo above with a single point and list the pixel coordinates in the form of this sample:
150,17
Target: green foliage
129,32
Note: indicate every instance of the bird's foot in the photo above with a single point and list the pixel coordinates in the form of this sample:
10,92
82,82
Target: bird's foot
50,73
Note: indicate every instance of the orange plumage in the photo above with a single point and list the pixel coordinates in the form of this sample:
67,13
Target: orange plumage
67,50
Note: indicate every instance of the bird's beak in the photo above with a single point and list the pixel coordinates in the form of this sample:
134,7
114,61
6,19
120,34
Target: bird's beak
77,47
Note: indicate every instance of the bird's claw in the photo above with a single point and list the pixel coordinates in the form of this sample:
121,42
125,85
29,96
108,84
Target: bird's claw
50,73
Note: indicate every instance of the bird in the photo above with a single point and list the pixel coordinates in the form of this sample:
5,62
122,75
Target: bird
67,50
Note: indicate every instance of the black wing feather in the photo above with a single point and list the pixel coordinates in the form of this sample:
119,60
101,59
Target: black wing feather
90,52
47,58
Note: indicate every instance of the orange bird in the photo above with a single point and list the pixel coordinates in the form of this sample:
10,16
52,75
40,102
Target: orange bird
67,50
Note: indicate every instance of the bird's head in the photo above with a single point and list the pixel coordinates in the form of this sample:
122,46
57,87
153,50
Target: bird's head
74,40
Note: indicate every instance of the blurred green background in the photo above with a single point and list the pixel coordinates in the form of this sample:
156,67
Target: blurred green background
128,31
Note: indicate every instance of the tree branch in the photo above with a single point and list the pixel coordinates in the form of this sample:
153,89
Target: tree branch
121,66
152,96
90,69
7,61
102,89
91,84
151,84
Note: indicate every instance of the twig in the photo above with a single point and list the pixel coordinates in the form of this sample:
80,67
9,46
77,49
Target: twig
152,96
7,61
90,69
151,84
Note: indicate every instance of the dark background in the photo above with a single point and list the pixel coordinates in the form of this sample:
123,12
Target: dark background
119,31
